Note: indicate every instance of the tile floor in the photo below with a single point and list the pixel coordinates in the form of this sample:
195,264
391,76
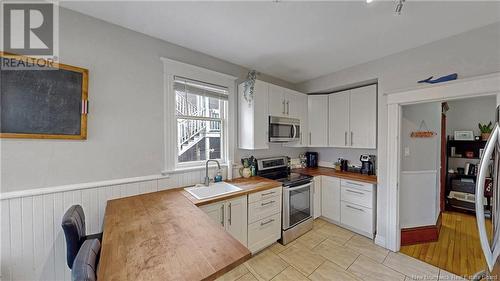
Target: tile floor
329,252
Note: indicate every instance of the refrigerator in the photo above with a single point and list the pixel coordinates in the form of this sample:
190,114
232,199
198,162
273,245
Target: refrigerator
489,166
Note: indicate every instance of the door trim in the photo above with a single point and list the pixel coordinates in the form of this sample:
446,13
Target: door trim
463,88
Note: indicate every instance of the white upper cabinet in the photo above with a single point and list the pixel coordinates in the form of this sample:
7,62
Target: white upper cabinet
363,117
353,118
253,117
277,101
297,105
318,120
339,131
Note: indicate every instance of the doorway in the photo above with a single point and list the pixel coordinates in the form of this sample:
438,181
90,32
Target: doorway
440,149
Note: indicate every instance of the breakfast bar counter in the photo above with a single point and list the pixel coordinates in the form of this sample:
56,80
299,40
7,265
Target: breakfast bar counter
165,236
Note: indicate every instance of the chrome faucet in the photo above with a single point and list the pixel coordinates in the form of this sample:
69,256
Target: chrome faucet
207,178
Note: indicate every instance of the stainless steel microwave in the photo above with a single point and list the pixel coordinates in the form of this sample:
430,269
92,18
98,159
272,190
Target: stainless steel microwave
282,129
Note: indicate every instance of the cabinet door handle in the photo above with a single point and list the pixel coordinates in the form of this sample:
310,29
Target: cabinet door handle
354,208
268,193
230,214
267,222
357,192
354,183
267,203
310,138
345,138
284,107
287,107
222,210
352,138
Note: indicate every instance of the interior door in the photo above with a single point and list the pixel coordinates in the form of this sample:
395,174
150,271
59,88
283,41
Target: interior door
277,104
338,116
363,117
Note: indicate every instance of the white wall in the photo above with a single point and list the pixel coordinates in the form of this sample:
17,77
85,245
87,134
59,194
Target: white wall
472,53
420,184
125,124
465,114
423,152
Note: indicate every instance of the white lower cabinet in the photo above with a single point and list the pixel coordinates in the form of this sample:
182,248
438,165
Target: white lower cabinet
351,204
264,219
317,197
358,201
330,198
231,215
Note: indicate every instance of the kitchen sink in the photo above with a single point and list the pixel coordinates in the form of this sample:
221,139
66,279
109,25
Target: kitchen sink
201,191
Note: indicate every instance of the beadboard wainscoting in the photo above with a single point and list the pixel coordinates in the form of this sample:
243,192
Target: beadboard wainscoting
32,240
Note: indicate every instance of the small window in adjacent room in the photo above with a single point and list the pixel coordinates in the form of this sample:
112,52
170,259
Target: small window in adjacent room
201,115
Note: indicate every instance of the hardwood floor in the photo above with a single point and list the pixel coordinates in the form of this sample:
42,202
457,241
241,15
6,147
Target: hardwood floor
458,249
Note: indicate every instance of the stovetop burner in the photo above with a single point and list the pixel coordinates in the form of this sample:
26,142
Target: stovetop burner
287,178
277,169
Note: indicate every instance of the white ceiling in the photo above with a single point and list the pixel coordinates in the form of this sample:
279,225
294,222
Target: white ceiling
295,41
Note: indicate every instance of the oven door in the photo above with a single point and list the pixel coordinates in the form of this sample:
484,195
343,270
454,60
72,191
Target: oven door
283,129
297,204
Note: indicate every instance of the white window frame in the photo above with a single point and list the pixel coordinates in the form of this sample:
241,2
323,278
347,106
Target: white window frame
172,68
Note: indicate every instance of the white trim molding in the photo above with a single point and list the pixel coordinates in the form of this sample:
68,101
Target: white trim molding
78,186
172,68
462,88
458,89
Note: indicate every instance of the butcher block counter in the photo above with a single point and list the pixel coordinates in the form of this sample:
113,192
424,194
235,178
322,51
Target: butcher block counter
322,171
165,236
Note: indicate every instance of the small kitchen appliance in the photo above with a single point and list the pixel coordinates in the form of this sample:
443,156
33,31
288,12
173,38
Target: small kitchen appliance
282,129
367,164
312,159
297,208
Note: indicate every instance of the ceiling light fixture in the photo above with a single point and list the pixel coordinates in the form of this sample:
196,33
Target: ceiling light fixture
399,6
369,1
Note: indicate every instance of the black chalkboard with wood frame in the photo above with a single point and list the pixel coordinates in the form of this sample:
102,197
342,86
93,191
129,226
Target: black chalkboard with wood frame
43,104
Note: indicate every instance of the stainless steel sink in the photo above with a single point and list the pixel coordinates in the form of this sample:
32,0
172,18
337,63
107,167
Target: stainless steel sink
201,191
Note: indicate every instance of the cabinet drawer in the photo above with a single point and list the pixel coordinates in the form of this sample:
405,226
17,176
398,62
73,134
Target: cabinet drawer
264,232
264,195
357,196
356,184
264,208
357,217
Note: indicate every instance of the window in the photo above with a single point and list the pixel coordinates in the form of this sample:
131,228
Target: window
201,115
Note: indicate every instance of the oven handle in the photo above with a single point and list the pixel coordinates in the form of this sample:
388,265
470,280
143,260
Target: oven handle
286,188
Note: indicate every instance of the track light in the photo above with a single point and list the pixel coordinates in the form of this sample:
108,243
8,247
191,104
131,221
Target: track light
399,6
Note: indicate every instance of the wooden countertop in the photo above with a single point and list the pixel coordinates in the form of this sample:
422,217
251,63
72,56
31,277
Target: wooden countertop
249,185
322,171
164,236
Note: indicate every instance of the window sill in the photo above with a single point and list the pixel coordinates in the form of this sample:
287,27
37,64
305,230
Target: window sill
191,168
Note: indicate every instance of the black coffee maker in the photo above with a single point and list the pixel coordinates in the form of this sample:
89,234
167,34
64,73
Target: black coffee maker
311,159
367,164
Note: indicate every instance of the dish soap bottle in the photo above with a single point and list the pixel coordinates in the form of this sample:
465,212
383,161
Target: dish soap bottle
218,176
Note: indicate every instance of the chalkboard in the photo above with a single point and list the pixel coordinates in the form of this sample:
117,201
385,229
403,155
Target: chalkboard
44,103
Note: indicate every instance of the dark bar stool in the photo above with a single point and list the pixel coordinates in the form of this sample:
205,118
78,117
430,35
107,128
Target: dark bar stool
85,264
73,224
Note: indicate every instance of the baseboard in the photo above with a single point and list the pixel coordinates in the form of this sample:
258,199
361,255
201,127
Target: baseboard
422,234
380,240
